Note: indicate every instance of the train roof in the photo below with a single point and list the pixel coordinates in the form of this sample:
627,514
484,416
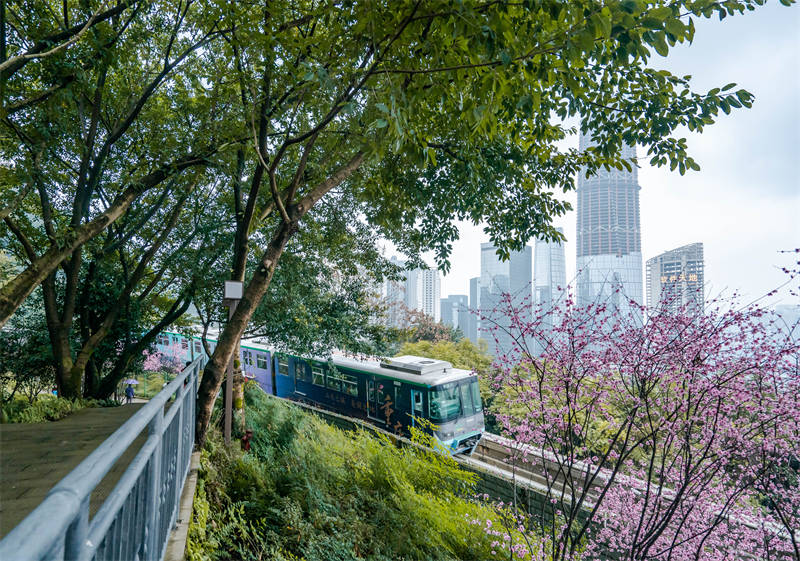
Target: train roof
440,373
413,369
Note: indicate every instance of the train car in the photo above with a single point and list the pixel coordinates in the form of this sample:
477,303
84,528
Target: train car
394,394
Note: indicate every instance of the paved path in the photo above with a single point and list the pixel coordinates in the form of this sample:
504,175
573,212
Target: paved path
34,457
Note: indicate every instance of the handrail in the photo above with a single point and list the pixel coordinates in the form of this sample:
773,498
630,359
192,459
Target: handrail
135,519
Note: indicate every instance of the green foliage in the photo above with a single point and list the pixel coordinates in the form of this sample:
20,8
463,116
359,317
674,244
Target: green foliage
310,491
26,360
47,408
461,354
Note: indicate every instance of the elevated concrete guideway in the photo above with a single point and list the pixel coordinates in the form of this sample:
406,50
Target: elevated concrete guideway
36,456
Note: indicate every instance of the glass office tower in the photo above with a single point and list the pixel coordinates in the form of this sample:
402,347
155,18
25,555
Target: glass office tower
498,277
609,243
474,305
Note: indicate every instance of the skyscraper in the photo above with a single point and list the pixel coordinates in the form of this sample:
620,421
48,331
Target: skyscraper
394,294
609,252
675,278
474,306
455,312
549,281
498,277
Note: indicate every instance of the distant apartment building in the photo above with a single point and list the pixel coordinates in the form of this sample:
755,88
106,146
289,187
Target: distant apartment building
549,282
676,279
430,291
419,289
609,252
455,312
498,277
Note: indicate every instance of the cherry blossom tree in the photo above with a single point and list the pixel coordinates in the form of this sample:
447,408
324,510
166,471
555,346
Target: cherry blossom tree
169,360
671,437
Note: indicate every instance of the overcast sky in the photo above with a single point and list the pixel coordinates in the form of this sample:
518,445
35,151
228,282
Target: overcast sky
744,204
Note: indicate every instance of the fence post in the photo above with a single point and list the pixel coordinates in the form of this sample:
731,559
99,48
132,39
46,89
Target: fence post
180,402
153,499
77,531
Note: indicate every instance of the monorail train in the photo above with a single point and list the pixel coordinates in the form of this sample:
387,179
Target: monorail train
393,394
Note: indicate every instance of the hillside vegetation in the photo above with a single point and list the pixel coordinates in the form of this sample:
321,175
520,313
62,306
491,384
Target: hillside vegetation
309,491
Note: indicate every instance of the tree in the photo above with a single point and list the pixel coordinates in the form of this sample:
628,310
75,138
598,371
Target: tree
26,363
426,112
461,354
91,129
700,422
419,326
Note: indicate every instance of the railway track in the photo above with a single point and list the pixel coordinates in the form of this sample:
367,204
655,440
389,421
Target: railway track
535,469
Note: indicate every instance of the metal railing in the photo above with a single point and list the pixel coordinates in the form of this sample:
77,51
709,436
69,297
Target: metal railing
135,520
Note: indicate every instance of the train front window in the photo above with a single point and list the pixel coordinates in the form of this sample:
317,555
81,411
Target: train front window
466,400
445,403
476,396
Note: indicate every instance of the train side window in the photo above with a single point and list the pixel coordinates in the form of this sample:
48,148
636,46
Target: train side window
197,347
184,344
317,376
350,384
476,397
261,361
248,358
283,365
334,380
301,371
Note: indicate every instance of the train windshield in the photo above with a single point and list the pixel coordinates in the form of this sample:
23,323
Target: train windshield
455,399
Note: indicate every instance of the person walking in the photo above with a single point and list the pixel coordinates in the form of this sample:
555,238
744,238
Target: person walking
129,394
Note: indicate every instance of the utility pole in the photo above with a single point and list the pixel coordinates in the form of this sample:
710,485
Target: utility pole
233,293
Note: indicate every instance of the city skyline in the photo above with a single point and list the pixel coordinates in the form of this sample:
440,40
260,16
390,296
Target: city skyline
750,153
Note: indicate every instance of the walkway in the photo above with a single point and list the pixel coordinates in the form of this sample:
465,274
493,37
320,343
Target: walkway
34,457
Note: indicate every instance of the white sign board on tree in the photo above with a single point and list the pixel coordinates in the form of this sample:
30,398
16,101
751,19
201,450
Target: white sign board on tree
233,290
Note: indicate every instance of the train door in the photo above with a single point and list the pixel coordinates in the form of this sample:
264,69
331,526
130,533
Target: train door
284,379
416,406
374,398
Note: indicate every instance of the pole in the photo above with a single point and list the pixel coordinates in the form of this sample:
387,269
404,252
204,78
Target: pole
229,384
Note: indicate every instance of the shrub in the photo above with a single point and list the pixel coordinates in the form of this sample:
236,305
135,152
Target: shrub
47,408
310,491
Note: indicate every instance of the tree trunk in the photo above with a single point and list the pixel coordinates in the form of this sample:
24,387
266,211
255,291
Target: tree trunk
226,346
254,292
